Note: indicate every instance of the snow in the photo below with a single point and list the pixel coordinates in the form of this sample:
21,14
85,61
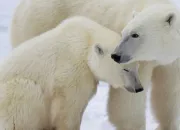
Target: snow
95,116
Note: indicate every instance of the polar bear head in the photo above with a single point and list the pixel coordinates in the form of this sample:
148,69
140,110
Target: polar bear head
104,68
153,35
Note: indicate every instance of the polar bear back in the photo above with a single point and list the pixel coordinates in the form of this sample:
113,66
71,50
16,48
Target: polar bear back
33,17
40,54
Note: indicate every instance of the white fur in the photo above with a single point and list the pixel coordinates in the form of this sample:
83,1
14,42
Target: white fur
160,49
148,24
47,81
33,17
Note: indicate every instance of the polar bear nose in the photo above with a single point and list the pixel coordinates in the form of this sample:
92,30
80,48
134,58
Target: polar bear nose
120,58
116,57
139,90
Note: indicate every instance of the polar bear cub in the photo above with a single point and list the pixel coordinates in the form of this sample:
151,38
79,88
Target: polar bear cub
47,82
154,36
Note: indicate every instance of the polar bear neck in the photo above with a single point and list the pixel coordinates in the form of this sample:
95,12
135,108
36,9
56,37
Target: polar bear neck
145,72
166,78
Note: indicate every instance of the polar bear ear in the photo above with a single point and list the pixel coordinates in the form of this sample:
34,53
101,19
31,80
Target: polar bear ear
170,18
99,50
134,13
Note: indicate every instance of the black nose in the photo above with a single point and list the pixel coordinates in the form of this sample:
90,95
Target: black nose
139,90
116,58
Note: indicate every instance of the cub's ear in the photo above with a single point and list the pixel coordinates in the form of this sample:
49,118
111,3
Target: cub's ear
134,13
170,18
99,50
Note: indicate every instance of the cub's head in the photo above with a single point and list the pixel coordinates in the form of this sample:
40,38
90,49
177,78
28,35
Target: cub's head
153,35
105,69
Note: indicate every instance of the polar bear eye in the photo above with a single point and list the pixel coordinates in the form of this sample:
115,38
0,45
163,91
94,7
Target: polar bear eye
99,50
135,35
126,70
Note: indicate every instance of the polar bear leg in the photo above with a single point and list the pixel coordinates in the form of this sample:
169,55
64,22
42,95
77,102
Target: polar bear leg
126,110
166,117
164,97
165,111
59,116
66,113
22,106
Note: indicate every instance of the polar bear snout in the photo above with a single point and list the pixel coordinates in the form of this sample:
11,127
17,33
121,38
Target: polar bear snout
132,82
120,54
126,49
135,87
120,58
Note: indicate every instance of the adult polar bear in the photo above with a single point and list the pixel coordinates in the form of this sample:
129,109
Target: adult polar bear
33,17
47,82
157,38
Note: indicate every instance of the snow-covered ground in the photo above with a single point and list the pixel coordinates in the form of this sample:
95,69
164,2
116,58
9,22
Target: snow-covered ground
95,116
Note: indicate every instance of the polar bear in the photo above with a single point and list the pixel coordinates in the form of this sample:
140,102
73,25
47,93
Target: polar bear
47,81
153,36
33,17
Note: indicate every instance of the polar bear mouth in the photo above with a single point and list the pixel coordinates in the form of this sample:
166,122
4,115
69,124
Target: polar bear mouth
132,90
